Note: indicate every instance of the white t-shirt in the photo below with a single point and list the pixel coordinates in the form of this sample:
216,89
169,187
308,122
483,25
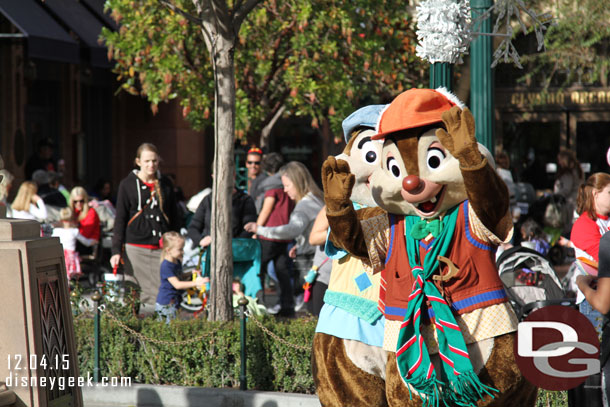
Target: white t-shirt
69,236
36,212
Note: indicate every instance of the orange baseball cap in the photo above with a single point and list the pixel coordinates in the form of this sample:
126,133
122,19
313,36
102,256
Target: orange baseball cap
415,108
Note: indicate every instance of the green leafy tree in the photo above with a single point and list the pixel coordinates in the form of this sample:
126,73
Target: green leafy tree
577,46
308,58
252,61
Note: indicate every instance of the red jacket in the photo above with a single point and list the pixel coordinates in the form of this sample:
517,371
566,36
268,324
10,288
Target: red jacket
89,227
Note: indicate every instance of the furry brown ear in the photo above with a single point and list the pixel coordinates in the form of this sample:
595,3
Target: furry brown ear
348,148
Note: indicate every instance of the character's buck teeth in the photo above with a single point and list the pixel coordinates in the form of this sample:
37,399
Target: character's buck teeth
433,200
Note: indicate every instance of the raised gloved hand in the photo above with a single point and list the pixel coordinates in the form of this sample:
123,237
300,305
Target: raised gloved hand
459,138
338,183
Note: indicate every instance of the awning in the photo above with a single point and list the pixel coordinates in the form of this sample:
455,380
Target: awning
97,6
46,39
84,24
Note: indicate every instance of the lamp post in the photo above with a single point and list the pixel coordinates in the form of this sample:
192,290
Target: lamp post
481,77
440,75
443,31
243,379
96,297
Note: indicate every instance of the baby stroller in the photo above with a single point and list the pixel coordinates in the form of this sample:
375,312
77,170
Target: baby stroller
246,266
530,281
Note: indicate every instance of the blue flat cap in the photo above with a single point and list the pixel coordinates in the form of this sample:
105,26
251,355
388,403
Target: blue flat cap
366,116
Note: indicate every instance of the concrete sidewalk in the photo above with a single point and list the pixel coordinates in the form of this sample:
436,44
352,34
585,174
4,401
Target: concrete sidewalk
146,395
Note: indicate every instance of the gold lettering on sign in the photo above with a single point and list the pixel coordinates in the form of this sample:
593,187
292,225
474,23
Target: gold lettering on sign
559,98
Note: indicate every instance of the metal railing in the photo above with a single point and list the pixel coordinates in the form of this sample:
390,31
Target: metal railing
244,315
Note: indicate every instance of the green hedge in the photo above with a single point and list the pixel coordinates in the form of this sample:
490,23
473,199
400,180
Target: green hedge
215,360
211,362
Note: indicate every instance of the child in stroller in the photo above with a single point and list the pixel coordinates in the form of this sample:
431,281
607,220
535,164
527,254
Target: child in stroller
246,267
530,280
533,237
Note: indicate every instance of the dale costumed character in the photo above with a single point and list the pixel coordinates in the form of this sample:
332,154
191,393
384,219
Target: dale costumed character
450,329
349,363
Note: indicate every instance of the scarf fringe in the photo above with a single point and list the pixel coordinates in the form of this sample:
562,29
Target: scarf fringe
467,389
430,391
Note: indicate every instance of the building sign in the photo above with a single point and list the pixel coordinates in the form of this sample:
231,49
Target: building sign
560,98
299,153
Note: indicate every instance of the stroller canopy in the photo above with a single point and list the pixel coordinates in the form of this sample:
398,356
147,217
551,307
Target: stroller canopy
528,277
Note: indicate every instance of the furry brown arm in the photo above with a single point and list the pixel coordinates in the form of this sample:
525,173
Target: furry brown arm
488,196
346,232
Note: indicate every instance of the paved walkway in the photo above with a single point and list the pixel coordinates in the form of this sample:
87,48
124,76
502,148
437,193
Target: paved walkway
144,395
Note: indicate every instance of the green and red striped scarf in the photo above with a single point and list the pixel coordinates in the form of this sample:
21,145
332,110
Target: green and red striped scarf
458,383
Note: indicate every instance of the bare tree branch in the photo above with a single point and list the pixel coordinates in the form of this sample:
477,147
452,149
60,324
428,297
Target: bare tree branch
204,10
189,61
279,104
183,13
276,62
242,12
222,15
237,5
266,132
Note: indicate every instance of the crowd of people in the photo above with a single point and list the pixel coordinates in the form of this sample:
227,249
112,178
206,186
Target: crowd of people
283,209
573,219
149,224
69,215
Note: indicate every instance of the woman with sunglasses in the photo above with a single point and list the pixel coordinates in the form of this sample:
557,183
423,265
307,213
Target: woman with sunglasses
87,218
302,189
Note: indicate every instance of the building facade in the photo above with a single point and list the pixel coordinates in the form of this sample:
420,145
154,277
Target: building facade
56,83
532,124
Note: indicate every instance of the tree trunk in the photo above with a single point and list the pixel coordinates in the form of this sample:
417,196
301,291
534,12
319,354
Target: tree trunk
220,27
221,260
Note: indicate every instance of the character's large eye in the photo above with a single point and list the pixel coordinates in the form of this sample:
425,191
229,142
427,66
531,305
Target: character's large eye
393,167
370,153
435,158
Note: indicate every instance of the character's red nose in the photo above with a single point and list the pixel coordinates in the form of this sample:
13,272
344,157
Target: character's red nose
410,183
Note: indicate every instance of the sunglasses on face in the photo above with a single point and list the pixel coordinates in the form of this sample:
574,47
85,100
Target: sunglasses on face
79,201
253,162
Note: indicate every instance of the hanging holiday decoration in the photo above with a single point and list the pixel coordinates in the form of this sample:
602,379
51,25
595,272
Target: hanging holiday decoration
506,11
443,30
